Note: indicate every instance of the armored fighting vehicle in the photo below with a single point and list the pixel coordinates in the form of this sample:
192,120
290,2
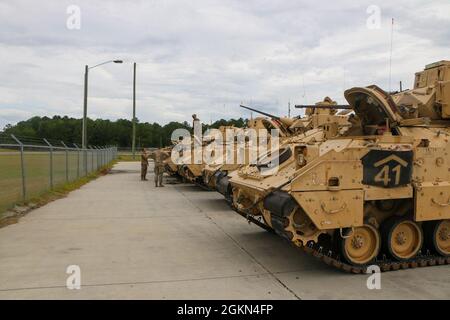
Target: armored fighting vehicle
194,172
170,167
247,185
379,194
286,126
212,171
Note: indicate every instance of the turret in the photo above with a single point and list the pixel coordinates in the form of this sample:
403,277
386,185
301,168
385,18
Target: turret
429,101
431,94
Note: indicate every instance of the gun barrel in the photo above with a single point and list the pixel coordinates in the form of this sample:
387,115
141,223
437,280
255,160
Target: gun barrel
313,106
261,112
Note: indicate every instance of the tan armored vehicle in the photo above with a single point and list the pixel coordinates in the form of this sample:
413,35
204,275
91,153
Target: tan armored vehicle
170,167
247,185
190,170
380,194
212,172
193,172
287,128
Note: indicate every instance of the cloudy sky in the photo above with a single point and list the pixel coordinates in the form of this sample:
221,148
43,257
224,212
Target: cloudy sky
207,56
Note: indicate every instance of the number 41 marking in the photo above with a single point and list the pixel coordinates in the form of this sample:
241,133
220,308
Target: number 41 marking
383,175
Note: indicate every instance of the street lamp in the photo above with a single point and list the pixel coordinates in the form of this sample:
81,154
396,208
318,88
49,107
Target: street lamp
86,73
133,143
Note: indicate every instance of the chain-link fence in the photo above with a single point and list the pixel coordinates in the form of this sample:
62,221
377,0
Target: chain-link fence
29,166
126,154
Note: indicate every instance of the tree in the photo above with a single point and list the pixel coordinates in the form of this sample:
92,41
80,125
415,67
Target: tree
105,132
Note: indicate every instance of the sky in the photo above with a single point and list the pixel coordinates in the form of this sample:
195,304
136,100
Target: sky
208,56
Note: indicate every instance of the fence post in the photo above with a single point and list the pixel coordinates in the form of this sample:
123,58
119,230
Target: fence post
92,158
99,157
85,160
67,161
96,157
51,162
94,150
78,160
22,164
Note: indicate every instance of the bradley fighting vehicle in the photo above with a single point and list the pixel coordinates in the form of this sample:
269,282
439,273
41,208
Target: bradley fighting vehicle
190,170
287,127
193,172
170,167
379,194
247,185
213,171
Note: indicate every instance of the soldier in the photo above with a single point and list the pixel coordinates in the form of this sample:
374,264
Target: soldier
159,156
144,164
195,120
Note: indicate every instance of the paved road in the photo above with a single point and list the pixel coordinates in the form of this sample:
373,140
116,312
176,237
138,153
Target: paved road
134,241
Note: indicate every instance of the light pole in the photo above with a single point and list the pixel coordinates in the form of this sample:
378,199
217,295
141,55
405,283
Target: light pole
133,144
86,73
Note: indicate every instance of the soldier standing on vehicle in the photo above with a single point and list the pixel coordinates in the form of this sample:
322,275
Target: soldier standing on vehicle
144,164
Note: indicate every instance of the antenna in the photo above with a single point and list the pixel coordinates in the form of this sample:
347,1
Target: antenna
289,108
390,55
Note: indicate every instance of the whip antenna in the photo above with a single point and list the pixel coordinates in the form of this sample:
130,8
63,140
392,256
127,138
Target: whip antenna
390,55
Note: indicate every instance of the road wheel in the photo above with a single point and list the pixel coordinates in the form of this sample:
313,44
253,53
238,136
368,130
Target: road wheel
402,238
361,245
437,234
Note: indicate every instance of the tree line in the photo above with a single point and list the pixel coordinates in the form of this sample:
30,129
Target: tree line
106,132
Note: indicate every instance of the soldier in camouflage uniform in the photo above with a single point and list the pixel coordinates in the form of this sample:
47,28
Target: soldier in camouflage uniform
159,156
144,165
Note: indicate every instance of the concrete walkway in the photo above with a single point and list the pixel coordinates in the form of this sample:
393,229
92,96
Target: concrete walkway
134,241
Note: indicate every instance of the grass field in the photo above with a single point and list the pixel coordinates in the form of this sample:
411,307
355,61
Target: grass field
37,174
129,157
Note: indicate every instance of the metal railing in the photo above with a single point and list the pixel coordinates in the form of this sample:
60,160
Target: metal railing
29,166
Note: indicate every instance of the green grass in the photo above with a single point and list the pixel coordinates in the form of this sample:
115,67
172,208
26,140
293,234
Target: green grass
128,157
37,169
